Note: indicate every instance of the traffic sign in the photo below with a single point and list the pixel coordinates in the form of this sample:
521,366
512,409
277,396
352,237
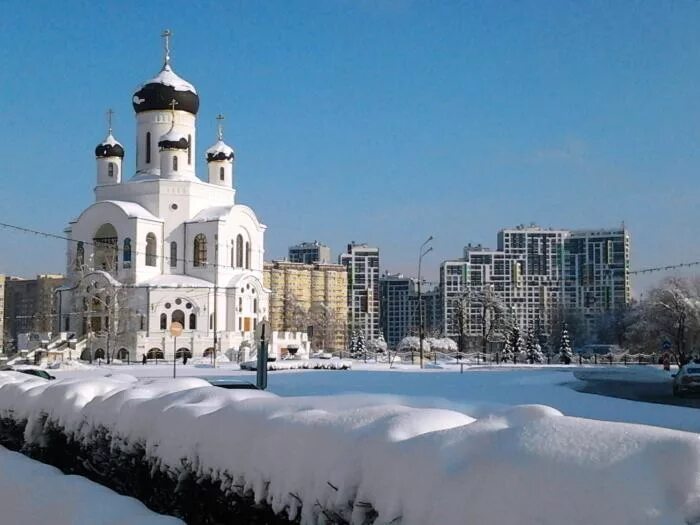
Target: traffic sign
176,329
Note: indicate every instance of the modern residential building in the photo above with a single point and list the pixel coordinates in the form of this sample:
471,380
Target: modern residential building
399,314
309,253
399,308
310,298
597,273
536,274
30,305
362,264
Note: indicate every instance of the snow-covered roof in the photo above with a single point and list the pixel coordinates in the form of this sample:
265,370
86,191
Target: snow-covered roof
172,136
175,281
168,77
214,213
110,141
135,211
220,151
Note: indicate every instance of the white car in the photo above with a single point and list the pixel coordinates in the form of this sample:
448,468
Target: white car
687,380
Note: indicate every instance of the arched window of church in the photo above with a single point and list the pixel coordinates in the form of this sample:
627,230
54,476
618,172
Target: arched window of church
148,147
247,255
233,253
193,322
178,317
79,255
126,253
189,149
239,251
221,173
255,306
163,321
174,162
173,254
150,249
200,250
110,169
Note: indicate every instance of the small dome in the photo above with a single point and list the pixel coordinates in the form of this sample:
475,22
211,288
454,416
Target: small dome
109,147
157,93
220,151
173,140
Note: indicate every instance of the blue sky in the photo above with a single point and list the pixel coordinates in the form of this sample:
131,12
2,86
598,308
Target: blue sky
379,121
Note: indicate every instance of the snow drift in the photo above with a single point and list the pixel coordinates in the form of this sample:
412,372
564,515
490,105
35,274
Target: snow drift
31,492
362,459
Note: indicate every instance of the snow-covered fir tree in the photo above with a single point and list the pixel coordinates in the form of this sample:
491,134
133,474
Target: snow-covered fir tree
565,353
360,345
533,349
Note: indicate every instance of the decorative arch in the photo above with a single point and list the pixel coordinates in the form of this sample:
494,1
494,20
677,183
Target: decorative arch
239,251
79,255
154,353
179,317
151,249
100,353
106,243
183,351
126,253
208,352
123,354
200,249
173,254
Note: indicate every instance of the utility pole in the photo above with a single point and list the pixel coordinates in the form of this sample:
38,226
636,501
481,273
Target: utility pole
421,333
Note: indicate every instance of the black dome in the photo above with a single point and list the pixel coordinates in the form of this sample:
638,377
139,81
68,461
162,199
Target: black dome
158,93
181,143
109,148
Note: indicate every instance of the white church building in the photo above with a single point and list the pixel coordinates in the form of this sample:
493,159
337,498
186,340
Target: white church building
161,245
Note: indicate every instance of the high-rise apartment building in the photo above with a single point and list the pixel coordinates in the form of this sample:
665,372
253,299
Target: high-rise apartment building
362,264
310,298
2,314
309,253
399,315
597,273
537,273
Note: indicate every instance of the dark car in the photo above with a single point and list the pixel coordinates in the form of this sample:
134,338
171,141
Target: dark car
230,383
31,371
687,380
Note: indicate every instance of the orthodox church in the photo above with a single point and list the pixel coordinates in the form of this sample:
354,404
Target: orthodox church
160,245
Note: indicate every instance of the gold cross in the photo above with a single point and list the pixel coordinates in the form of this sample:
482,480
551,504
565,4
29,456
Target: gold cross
166,35
109,119
220,118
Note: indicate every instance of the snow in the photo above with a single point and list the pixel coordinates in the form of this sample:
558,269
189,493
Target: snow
133,210
173,136
175,281
481,452
110,141
168,77
31,492
212,214
220,147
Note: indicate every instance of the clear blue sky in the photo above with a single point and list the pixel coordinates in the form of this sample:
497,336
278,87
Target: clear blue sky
379,121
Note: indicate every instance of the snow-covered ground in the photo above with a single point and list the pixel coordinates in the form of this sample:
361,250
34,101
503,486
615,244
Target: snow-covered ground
34,493
492,445
477,391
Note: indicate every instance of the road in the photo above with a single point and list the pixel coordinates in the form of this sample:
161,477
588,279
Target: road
637,391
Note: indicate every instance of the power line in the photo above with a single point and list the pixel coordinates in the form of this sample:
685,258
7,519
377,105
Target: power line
665,268
116,248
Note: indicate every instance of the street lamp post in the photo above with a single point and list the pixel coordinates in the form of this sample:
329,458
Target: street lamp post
423,250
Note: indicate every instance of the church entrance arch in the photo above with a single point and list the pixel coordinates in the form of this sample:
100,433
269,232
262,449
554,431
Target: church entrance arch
183,352
106,248
155,353
123,354
208,352
85,355
99,353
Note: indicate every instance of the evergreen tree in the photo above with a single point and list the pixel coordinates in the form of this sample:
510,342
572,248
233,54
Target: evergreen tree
565,353
514,344
533,349
360,345
353,343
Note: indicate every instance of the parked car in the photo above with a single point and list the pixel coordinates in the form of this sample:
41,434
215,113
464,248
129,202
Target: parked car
31,371
687,380
230,383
